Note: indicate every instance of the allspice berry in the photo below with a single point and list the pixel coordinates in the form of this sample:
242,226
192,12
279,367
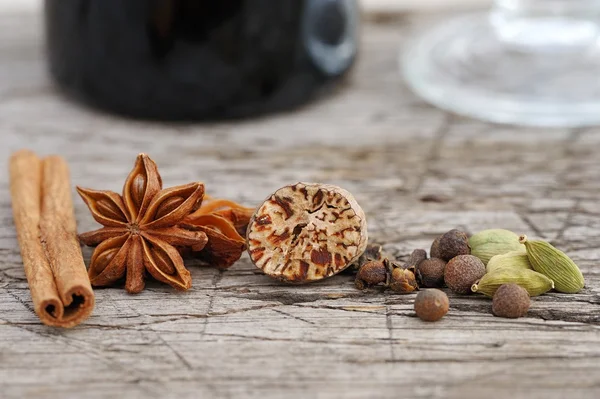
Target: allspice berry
434,251
371,273
416,257
511,301
431,305
453,243
462,271
403,281
431,272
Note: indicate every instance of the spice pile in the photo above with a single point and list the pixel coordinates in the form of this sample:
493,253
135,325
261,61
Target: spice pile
497,263
301,233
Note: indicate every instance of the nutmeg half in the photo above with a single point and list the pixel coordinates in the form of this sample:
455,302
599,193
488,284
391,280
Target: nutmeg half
306,232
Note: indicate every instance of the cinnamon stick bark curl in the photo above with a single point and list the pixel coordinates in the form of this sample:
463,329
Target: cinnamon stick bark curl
47,233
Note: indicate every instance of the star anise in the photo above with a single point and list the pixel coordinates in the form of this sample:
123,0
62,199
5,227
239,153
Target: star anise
224,222
141,231
238,215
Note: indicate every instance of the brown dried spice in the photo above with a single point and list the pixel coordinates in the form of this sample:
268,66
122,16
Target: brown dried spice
402,281
431,272
140,230
238,215
225,245
452,244
416,257
306,232
222,221
434,251
462,272
370,274
372,252
510,301
431,305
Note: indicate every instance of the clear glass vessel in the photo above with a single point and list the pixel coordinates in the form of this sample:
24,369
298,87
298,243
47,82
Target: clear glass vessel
527,62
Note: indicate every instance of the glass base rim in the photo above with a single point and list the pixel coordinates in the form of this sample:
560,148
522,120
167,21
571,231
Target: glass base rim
497,108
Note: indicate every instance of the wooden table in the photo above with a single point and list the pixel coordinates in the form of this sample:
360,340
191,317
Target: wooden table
417,172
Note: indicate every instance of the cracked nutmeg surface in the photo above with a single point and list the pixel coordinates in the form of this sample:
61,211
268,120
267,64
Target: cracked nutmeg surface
306,232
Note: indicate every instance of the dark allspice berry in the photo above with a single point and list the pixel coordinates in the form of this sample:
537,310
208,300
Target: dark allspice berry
453,243
462,272
431,304
371,273
431,272
511,301
434,251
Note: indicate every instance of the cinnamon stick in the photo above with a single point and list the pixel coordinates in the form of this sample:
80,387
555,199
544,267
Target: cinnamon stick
47,233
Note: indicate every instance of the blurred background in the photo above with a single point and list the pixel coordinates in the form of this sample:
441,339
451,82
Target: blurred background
372,5
519,62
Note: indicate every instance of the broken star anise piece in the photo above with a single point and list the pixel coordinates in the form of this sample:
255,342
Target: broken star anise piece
223,221
238,215
141,231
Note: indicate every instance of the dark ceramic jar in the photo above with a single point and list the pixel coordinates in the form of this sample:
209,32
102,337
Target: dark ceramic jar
196,59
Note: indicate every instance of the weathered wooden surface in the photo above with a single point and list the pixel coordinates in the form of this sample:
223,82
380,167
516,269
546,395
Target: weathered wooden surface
416,171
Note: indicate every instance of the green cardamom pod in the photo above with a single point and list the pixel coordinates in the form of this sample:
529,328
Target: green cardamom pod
489,243
534,283
555,264
516,259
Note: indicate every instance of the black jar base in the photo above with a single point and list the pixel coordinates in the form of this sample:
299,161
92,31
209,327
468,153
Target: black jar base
293,99
198,60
